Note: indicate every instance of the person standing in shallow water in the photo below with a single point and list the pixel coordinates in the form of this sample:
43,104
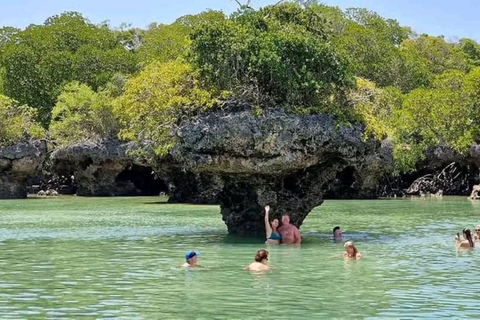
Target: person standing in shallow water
273,236
191,258
290,233
260,263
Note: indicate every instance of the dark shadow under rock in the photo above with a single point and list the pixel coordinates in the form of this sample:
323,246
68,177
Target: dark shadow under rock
106,168
144,180
189,187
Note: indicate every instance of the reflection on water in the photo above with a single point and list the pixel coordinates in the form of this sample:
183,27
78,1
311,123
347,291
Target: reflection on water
120,257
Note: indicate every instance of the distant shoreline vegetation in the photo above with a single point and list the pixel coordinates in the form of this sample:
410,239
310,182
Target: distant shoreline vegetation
69,80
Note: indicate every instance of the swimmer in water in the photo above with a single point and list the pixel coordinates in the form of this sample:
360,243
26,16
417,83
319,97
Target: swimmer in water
191,258
477,232
337,234
351,251
273,236
467,240
260,263
290,233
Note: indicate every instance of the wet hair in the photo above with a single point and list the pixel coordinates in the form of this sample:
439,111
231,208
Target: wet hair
468,235
336,228
261,255
349,244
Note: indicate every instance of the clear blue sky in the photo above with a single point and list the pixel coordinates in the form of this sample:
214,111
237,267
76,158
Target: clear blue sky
458,18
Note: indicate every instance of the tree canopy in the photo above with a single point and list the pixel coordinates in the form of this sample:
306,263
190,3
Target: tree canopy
38,61
17,122
82,114
89,81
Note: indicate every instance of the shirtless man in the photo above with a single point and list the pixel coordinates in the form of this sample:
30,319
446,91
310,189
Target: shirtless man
290,233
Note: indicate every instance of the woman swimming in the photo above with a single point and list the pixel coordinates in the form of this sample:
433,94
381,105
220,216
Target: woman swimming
351,251
273,236
467,240
260,263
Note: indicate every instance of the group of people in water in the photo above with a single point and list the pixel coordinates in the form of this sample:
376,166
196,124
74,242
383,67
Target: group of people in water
287,233
468,241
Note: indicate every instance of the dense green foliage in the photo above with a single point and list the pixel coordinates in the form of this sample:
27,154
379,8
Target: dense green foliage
276,56
17,122
87,81
168,42
42,58
155,99
82,114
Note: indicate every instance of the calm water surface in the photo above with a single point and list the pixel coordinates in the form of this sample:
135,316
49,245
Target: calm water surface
73,257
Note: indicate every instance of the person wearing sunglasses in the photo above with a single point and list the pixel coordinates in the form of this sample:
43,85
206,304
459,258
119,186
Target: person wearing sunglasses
260,263
467,241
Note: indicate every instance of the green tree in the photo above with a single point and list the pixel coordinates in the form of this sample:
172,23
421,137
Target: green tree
443,115
67,47
279,55
7,35
17,122
471,49
155,99
425,57
168,42
375,107
370,43
82,114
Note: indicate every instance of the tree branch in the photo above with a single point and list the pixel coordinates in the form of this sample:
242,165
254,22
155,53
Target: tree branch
239,4
276,4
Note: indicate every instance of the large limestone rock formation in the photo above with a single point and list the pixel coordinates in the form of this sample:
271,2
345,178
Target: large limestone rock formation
106,168
283,160
17,163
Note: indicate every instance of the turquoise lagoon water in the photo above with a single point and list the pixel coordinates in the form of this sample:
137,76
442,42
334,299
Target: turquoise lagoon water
73,257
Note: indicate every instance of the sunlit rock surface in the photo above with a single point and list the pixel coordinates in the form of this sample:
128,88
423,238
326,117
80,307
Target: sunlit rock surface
17,163
286,161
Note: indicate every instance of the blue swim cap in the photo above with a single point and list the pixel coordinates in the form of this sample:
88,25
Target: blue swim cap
191,254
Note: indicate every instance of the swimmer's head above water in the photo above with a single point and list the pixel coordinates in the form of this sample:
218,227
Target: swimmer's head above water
191,258
337,232
275,223
261,256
